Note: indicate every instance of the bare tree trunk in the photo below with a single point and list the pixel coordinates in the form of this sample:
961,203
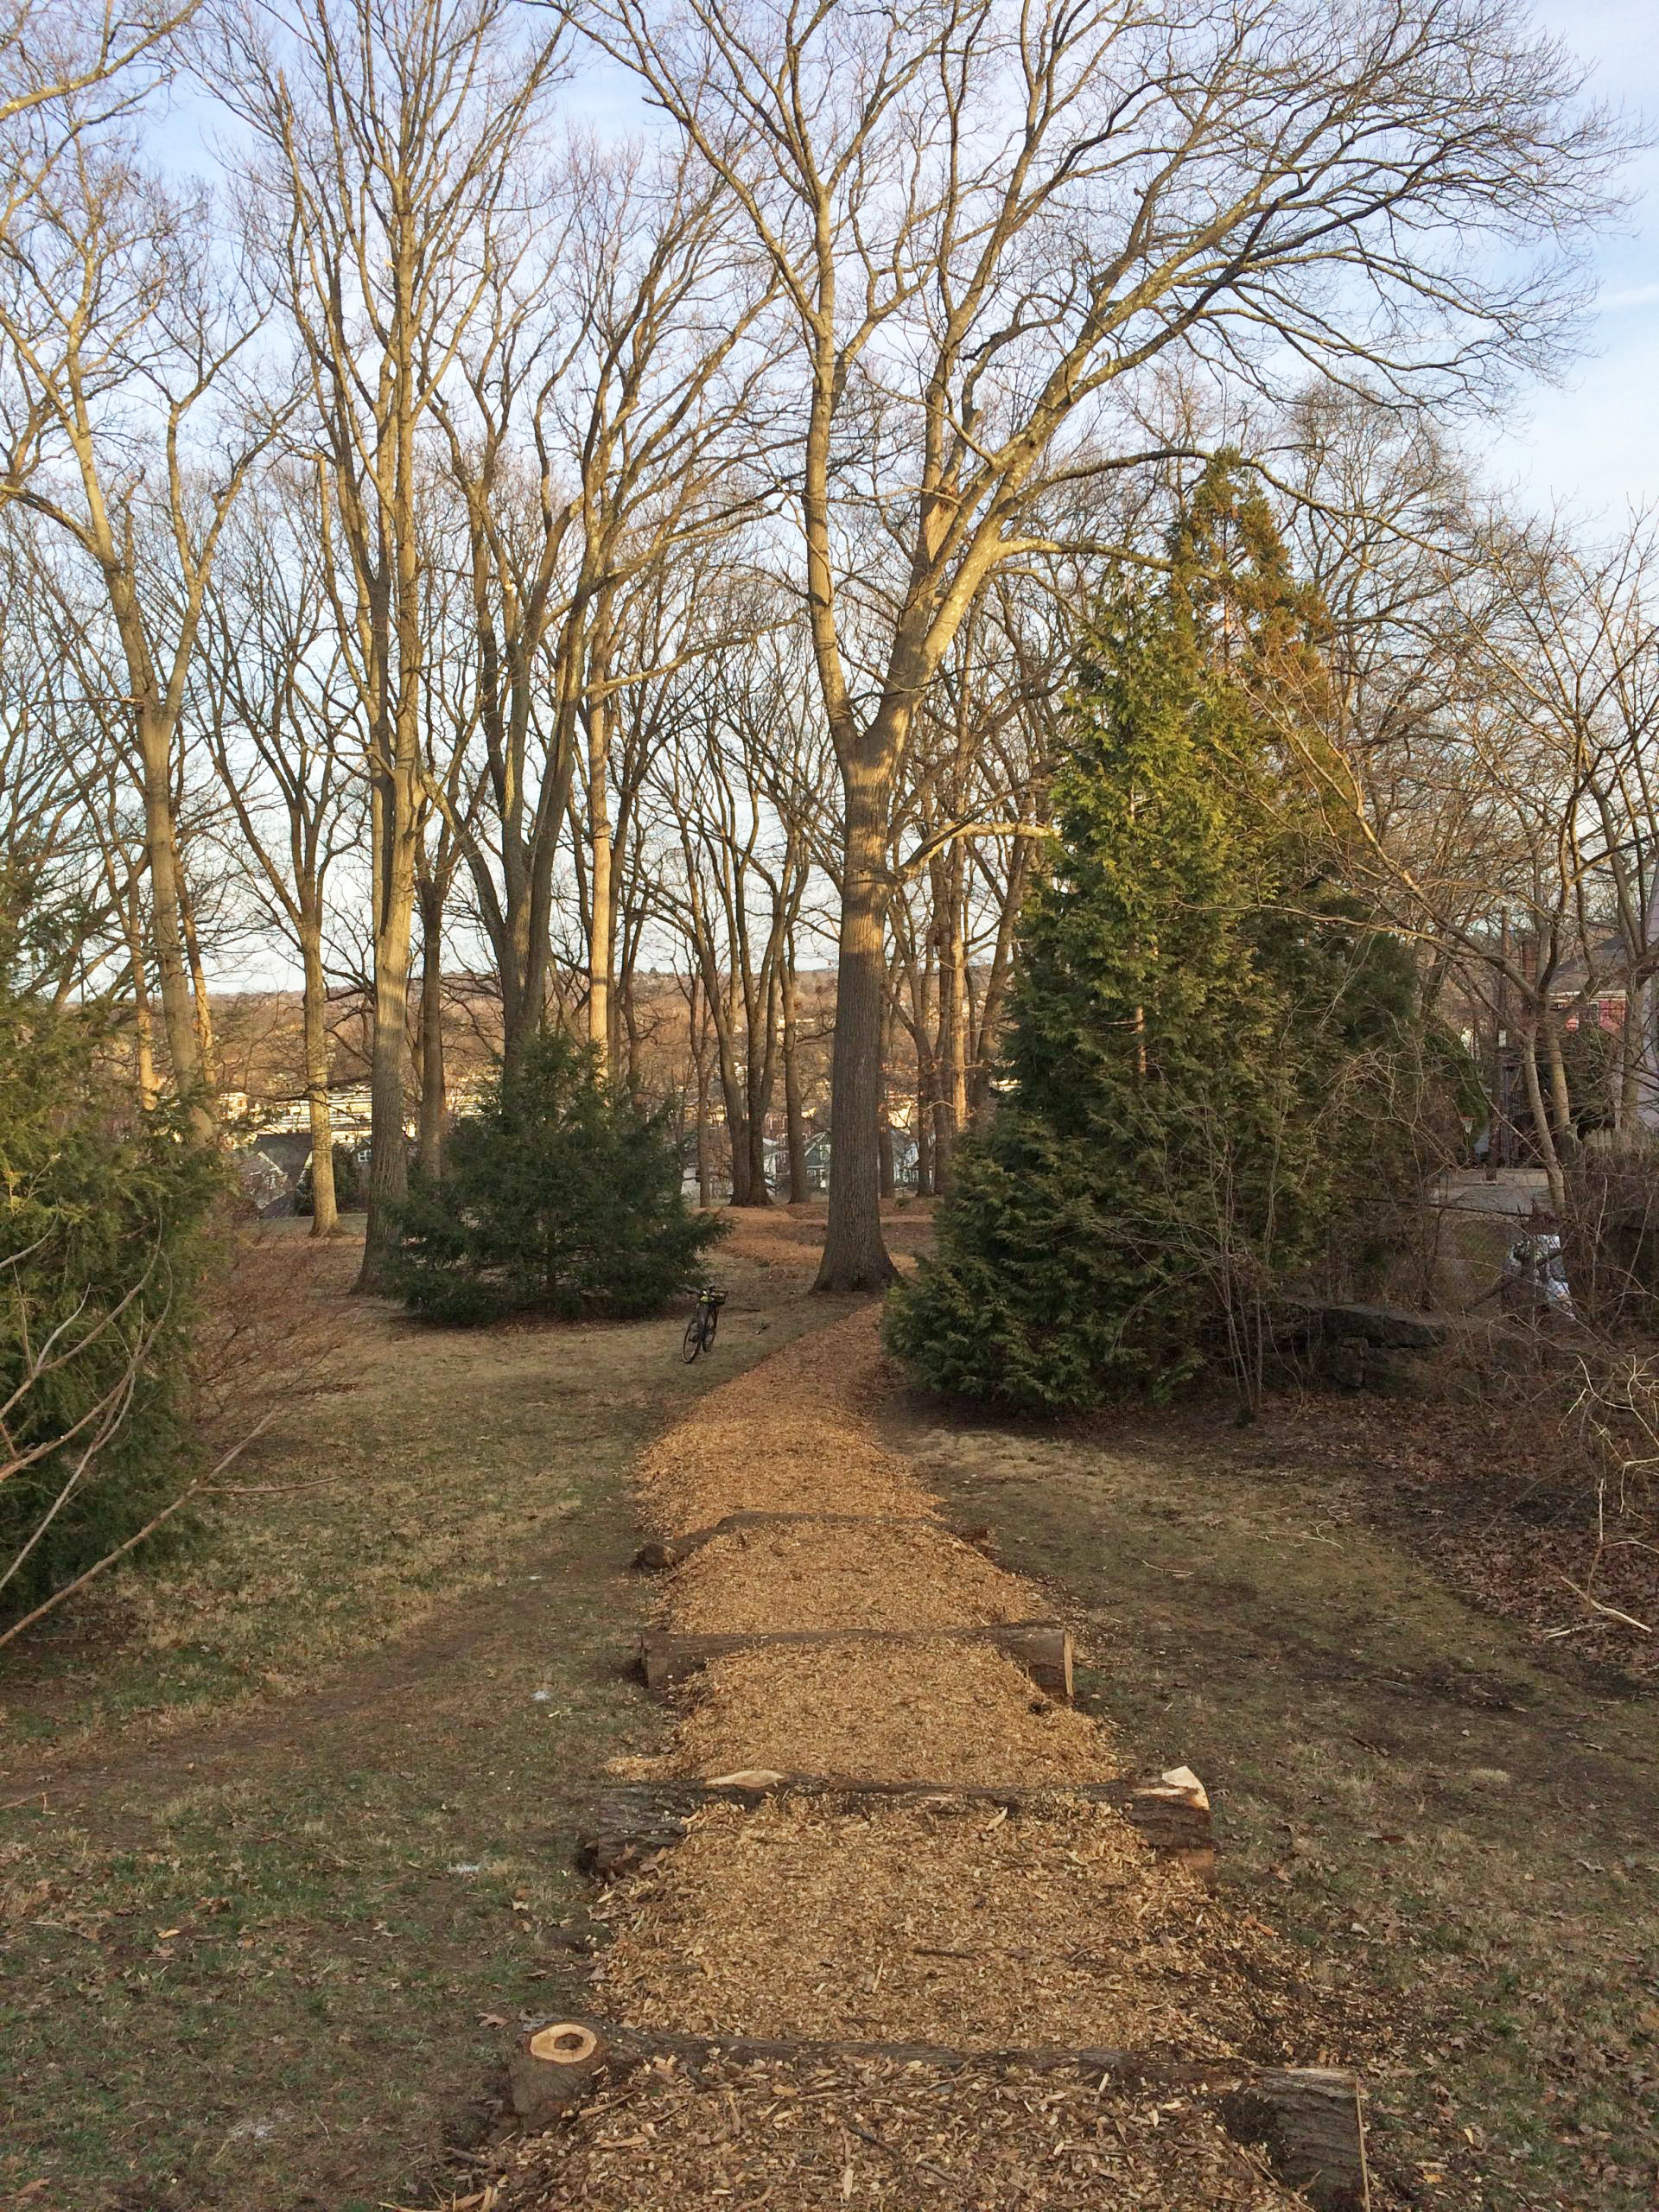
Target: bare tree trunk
599,955
143,1026
325,1211
430,1143
854,1255
393,852
1545,1142
925,1147
204,1009
1560,1100
794,1120
160,852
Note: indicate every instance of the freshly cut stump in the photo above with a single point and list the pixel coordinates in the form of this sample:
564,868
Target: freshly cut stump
941,1924
960,1712
815,2136
837,1575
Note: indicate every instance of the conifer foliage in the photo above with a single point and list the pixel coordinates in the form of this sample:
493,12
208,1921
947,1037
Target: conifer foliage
1202,1037
561,1195
102,1251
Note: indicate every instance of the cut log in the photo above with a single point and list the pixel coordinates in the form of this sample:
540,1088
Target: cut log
1042,1648
1308,2119
635,1821
661,1553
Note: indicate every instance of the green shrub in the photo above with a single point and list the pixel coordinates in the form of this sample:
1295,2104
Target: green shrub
561,1196
102,1240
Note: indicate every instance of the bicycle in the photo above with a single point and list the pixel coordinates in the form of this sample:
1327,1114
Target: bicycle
705,1319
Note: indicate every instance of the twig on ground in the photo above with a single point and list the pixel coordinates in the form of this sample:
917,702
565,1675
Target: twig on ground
1611,1611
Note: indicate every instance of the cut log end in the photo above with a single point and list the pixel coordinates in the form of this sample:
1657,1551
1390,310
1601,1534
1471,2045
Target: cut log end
552,2071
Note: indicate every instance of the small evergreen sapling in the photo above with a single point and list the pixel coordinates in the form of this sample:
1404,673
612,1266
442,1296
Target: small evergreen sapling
561,1196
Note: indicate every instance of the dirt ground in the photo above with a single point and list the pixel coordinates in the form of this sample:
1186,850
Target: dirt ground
285,1837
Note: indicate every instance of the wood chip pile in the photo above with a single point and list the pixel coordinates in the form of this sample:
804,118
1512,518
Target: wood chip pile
817,2137
939,1924
936,1922
946,1713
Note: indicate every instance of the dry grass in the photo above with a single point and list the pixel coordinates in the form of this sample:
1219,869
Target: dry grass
941,1924
957,1712
870,2133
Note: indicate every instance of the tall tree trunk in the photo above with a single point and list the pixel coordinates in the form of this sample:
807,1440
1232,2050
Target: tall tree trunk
161,852
430,1143
952,1073
599,955
1561,1100
395,833
325,1211
854,1255
1542,1136
143,1026
204,1008
794,1120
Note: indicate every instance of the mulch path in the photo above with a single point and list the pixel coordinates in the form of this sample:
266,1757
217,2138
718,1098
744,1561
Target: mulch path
937,1924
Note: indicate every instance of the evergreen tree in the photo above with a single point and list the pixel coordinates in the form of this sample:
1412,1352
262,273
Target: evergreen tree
560,1196
1194,1015
102,1214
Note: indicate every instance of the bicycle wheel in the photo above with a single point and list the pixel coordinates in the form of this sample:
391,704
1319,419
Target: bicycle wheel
710,1323
694,1339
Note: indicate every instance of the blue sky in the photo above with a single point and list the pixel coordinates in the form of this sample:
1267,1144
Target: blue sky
1592,441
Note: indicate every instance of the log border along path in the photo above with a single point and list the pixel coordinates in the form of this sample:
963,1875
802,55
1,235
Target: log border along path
772,1499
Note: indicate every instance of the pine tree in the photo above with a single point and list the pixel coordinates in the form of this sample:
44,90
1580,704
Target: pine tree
560,1196
1192,1000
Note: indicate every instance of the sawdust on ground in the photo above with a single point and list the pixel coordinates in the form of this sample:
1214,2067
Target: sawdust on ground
894,1922
813,2138
819,1575
788,1437
940,1925
935,1712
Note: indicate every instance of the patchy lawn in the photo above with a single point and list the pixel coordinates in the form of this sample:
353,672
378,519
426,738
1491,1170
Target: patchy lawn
1452,1821
285,1834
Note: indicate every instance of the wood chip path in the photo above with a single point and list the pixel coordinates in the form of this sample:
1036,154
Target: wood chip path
938,1923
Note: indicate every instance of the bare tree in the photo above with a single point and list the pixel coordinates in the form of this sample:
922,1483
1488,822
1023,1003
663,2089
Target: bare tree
279,712
118,334
387,135
989,223
610,406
